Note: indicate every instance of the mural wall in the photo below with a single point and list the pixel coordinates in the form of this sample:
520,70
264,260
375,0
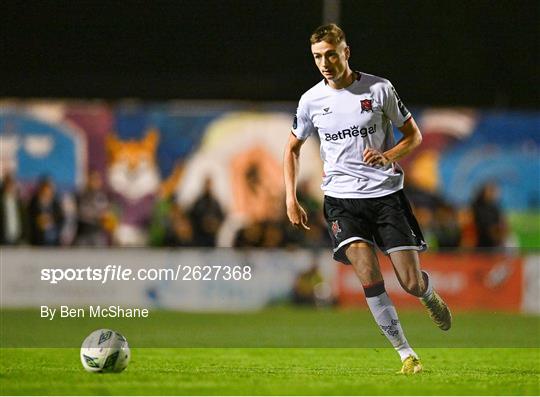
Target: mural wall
144,151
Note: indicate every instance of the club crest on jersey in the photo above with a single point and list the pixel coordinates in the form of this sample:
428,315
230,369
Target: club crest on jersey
367,105
335,228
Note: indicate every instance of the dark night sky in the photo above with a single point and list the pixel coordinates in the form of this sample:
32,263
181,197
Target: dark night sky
456,53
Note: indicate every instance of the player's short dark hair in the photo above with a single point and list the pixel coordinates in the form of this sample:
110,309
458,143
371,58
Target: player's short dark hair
330,33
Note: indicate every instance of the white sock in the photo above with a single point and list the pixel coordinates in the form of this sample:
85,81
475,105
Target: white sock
386,317
429,290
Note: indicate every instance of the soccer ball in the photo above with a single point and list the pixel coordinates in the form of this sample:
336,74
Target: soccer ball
105,350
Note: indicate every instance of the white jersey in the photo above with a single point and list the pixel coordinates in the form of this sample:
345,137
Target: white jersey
349,120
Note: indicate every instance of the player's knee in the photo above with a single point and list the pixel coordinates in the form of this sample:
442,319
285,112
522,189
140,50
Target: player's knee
366,273
363,272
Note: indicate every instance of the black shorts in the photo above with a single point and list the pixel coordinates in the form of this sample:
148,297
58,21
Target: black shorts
387,222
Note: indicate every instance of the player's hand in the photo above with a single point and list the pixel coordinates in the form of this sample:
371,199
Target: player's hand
373,157
297,215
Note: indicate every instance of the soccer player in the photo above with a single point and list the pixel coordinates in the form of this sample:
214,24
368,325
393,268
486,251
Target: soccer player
364,203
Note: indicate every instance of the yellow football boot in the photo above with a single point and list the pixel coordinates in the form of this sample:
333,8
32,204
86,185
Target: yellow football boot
438,311
411,365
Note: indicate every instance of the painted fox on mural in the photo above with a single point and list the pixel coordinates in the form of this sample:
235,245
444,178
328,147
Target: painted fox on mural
134,180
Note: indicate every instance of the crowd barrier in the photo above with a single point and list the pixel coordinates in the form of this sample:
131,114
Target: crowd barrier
468,281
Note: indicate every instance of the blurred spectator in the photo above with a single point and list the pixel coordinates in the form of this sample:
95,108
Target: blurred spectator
468,228
310,288
250,236
180,231
488,217
160,223
424,204
206,217
45,214
305,286
93,204
260,234
317,236
68,232
306,199
12,213
426,219
270,234
446,227
422,198
273,235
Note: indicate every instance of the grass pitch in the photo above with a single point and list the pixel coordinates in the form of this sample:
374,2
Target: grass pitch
268,371
282,351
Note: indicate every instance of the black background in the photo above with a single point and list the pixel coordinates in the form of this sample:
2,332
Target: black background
456,53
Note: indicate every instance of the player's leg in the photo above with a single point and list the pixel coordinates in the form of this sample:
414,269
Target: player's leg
398,234
407,267
418,283
364,261
349,225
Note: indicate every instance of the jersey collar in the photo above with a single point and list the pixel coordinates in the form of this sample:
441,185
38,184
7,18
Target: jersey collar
358,77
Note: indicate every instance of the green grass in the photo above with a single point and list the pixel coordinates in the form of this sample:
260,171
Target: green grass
270,371
276,351
272,327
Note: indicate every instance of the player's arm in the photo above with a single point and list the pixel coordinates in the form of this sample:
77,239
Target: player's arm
412,137
291,164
